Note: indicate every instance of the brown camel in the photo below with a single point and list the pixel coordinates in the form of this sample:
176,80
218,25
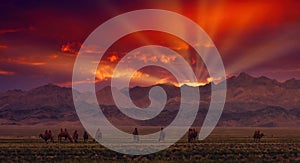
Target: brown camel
64,134
47,136
192,135
257,136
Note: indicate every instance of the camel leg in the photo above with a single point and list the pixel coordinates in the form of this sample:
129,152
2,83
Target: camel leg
46,140
69,138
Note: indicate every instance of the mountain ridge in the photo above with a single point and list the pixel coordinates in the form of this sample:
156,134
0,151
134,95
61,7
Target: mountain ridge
246,95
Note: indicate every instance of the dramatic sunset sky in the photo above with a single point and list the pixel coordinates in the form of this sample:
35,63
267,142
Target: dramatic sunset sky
39,40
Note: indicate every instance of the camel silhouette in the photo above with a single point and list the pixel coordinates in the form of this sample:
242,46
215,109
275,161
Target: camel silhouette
64,134
257,136
192,135
47,136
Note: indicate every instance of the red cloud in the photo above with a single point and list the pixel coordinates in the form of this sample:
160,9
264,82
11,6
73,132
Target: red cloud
22,61
3,72
3,46
113,58
4,31
71,47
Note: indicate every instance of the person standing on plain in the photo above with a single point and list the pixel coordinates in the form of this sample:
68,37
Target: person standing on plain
162,135
135,135
98,135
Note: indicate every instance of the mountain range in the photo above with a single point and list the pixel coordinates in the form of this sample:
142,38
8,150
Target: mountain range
250,102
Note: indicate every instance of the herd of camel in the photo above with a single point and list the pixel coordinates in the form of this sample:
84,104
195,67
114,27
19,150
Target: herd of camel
192,136
63,134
